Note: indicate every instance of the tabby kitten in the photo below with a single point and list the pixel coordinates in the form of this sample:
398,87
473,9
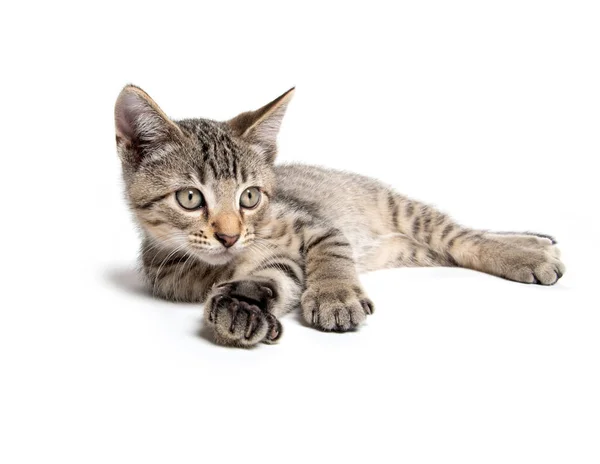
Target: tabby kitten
222,225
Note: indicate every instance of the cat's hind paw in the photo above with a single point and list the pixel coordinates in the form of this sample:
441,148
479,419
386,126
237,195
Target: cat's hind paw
535,268
523,264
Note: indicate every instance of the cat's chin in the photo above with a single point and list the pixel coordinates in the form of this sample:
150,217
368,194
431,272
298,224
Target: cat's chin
215,259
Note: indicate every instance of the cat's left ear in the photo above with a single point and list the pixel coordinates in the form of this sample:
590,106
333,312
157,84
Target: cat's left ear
260,127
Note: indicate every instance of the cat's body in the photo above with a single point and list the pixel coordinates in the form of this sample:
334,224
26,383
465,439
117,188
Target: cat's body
302,244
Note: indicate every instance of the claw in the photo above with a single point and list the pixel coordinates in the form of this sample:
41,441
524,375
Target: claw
315,317
275,328
212,315
337,320
558,274
367,306
251,325
353,324
268,291
234,310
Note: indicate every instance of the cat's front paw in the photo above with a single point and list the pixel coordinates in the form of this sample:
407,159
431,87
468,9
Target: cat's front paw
239,313
335,306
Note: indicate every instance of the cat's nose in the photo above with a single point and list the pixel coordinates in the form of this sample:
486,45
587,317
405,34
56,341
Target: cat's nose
227,240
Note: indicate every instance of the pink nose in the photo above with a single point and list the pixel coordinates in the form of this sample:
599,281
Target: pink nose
227,240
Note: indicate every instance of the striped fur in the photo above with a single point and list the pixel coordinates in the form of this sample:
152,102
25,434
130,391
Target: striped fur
313,231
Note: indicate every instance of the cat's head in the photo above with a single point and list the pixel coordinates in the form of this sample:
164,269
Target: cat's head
196,185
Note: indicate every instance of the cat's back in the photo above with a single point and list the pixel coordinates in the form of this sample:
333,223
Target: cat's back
340,196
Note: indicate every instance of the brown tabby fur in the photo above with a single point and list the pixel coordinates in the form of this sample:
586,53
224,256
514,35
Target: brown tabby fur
305,242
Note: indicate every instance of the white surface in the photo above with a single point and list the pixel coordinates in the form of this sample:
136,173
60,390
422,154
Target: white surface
490,111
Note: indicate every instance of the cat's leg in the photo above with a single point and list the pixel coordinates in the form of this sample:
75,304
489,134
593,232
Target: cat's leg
398,250
245,309
527,258
334,299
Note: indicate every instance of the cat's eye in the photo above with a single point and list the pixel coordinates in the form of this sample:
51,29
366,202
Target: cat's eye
250,198
190,198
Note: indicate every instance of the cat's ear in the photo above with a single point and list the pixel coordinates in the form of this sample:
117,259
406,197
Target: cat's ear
140,124
260,127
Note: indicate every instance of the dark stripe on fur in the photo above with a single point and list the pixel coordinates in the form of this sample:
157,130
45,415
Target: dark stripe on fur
457,236
283,267
416,228
410,209
394,210
320,239
449,228
149,203
335,255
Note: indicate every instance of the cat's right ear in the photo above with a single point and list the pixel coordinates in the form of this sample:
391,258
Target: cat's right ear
141,126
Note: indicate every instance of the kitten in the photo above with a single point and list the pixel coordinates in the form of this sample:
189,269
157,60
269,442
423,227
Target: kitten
222,225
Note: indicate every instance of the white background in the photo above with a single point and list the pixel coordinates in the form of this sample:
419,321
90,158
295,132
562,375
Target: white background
489,110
